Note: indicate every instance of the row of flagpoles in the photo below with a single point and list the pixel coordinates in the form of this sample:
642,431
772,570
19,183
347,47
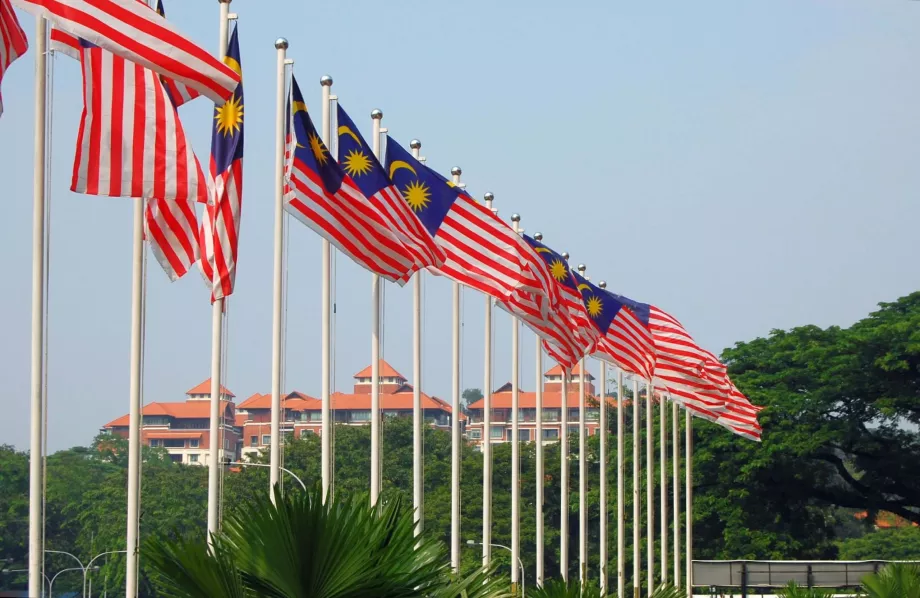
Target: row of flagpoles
384,209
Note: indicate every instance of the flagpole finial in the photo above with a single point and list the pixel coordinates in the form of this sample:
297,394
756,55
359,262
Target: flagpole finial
602,284
515,217
582,268
281,44
326,81
565,255
489,197
538,236
376,114
415,144
456,171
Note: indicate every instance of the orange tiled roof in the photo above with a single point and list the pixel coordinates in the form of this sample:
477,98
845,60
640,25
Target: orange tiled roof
185,410
297,401
205,388
576,371
528,400
400,400
183,434
386,370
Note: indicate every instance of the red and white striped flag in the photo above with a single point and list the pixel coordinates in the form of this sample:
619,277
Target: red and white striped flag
171,229
13,43
135,33
131,142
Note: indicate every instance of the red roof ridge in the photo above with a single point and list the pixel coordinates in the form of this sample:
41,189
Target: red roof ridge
205,388
386,370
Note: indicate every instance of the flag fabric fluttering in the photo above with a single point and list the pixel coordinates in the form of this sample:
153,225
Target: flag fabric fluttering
360,163
171,228
321,195
133,32
13,42
131,142
481,251
220,227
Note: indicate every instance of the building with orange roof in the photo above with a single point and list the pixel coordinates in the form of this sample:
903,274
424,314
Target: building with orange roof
183,428
527,410
302,414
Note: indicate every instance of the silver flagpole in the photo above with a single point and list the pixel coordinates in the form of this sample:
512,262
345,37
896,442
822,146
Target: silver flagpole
603,473
675,440
663,453
36,416
418,438
540,475
326,452
217,321
688,508
515,439
637,494
455,424
281,46
376,115
582,471
486,442
564,471
650,486
621,491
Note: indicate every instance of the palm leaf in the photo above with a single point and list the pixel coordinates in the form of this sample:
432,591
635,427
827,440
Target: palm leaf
897,580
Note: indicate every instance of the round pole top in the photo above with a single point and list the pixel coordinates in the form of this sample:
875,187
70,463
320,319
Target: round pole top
456,171
582,268
538,236
376,114
602,284
325,81
565,255
281,44
489,196
415,144
515,217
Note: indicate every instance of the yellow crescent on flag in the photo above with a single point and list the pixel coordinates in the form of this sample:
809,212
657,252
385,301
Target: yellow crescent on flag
345,130
397,164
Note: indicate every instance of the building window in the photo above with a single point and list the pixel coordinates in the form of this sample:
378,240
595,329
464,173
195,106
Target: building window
193,443
193,458
497,432
363,415
499,415
156,420
307,431
174,443
524,435
390,414
573,430
593,415
475,434
527,414
573,413
175,458
266,439
550,434
550,415
253,441
154,442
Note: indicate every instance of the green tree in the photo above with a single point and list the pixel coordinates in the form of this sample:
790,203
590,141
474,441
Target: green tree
894,544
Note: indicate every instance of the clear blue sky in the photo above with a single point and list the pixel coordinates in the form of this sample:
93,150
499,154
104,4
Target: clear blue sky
743,165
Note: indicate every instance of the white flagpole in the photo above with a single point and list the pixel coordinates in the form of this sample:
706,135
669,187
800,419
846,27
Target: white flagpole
217,320
688,509
582,471
637,494
281,46
540,474
603,473
36,473
621,491
487,427
515,439
663,453
376,116
675,440
418,475
455,424
564,472
650,486
326,440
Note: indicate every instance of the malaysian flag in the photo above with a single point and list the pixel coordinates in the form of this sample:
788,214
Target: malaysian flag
481,251
171,229
220,228
322,196
360,163
13,43
131,142
624,341
132,32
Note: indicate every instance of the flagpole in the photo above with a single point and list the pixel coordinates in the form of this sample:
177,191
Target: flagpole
621,492
602,482
564,472
539,448
376,116
36,469
217,312
281,45
675,440
650,487
455,423
487,427
688,509
515,438
637,498
582,471
663,453
326,453
418,475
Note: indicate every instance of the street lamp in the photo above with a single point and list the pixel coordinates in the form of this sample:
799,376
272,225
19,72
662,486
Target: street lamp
520,562
287,471
96,568
51,585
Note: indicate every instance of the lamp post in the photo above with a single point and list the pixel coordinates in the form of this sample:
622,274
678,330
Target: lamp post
96,568
520,562
287,471
51,583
